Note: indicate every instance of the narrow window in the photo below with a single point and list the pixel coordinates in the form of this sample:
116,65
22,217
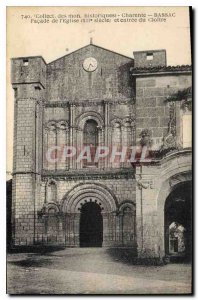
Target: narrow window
25,62
91,140
149,56
15,92
52,192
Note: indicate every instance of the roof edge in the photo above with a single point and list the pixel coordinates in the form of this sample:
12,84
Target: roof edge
160,69
151,50
94,45
27,57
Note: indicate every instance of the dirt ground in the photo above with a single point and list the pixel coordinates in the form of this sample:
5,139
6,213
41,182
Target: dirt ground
91,271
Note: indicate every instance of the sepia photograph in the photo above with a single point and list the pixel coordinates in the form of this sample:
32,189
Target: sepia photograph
99,194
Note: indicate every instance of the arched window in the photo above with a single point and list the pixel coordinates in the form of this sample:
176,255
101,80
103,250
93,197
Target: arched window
51,192
52,224
128,225
90,139
50,144
116,142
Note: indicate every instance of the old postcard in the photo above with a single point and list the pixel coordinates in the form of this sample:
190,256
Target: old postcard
99,149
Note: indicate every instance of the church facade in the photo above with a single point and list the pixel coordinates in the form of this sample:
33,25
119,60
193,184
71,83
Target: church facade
80,177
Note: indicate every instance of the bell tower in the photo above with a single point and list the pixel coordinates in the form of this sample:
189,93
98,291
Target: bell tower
28,82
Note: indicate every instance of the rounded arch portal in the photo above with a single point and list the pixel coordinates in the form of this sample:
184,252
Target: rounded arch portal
176,169
89,192
178,221
88,208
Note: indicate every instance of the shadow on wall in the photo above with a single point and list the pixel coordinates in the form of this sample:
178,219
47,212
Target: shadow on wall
125,84
8,213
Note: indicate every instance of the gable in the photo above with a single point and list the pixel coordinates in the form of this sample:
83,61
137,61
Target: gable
68,80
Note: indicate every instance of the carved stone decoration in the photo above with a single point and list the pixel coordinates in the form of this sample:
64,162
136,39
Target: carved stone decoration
144,183
186,104
146,138
116,122
51,126
184,97
49,208
101,174
63,125
169,141
179,178
87,102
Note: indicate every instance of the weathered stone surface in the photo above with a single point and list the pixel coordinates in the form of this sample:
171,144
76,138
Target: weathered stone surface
52,105
141,58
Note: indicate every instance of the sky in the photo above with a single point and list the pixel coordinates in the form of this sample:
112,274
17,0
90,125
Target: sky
55,40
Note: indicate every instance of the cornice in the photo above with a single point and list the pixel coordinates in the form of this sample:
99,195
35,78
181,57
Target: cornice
161,70
94,102
89,174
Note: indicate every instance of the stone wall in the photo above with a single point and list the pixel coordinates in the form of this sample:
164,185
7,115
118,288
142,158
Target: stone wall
116,127
28,70
23,209
28,78
124,192
152,107
57,110
123,189
150,58
67,80
154,184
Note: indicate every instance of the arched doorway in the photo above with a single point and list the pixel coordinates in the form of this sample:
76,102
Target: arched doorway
76,210
91,225
178,222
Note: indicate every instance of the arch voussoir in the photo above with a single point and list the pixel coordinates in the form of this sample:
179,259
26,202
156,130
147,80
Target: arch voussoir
72,201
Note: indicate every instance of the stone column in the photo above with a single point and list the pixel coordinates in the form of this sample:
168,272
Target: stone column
60,229
101,162
72,133
75,144
67,229
118,229
105,230
106,129
114,228
79,134
67,144
146,215
61,140
123,142
71,234
52,141
77,229
139,213
45,148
